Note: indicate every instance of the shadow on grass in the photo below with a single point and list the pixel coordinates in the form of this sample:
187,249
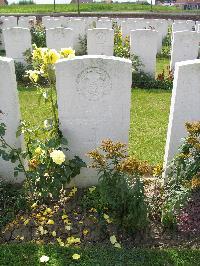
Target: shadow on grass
29,254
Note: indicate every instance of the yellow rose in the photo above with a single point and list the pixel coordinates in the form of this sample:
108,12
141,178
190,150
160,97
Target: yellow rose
67,53
76,256
51,56
57,156
33,75
39,151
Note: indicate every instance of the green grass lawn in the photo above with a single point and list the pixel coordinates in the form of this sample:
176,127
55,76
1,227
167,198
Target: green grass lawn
148,127
95,7
29,254
162,63
149,119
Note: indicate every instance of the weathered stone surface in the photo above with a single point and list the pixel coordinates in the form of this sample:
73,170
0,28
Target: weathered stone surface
100,41
9,114
143,43
58,38
21,38
93,104
185,105
185,46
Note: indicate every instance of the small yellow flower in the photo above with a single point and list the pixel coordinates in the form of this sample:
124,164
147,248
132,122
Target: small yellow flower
113,239
34,205
44,259
64,216
26,221
93,210
33,75
48,210
76,256
91,189
73,240
68,227
57,156
107,218
53,233
60,242
67,53
51,222
85,232
39,151
51,56
117,245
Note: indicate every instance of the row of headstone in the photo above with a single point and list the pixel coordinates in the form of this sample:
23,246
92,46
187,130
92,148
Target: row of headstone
143,43
84,85
90,83
185,46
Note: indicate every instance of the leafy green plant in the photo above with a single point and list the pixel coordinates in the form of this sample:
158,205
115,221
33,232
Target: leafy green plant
38,34
49,168
184,175
83,45
166,45
122,48
120,185
20,71
146,81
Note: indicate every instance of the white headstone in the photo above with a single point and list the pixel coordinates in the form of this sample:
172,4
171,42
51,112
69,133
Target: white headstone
185,46
9,22
93,104
107,24
100,41
143,43
52,23
9,115
26,22
17,41
78,26
129,25
58,38
185,105
183,25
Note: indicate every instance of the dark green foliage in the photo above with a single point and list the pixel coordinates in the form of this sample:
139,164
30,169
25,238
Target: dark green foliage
12,200
38,35
20,72
145,81
125,200
26,2
166,46
83,45
183,175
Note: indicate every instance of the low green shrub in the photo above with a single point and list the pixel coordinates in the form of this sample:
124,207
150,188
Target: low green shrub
166,45
120,185
38,34
146,81
83,45
184,175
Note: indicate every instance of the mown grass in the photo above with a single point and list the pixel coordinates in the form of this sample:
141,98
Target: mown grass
94,7
148,126
162,64
149,119
29,254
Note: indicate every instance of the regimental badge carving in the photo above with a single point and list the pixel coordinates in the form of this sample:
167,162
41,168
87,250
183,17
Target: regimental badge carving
100,37
93,83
